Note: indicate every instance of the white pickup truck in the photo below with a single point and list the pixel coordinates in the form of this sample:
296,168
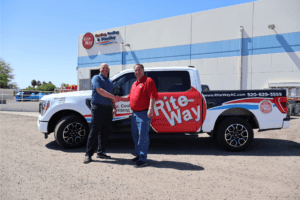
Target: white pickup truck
181,107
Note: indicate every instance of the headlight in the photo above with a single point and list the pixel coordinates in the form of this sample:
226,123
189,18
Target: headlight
43,107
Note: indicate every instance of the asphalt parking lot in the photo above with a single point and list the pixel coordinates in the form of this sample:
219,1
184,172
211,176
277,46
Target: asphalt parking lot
179,168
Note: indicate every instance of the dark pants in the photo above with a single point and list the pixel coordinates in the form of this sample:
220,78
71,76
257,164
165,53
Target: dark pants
100,127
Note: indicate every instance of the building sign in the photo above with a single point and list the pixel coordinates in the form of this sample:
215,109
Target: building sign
106,38
88,40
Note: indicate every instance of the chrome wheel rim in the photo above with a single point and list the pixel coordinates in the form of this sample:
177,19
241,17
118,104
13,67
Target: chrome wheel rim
73,133
236,135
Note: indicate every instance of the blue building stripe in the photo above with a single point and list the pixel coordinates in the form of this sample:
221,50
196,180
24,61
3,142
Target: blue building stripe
212,47
158,59
158,54
280,43
95,60
289,42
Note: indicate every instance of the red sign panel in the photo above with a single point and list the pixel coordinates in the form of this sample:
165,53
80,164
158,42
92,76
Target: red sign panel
178,111
88,40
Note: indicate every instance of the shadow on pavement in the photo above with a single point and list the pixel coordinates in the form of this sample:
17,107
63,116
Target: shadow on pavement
294,117
153,163
196,146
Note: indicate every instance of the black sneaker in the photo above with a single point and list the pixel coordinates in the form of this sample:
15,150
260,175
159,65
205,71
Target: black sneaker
140,164
135,159
103,155
87,160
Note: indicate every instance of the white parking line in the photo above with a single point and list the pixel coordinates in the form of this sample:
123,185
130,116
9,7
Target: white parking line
32,114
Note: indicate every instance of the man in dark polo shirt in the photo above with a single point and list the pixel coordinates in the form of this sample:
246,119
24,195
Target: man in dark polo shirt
102,114
142,98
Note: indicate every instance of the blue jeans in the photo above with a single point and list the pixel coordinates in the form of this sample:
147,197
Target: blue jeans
140,126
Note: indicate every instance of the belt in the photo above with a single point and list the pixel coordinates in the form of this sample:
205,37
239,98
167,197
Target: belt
106,106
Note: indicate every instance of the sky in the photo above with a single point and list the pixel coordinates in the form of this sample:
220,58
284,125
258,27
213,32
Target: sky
39,38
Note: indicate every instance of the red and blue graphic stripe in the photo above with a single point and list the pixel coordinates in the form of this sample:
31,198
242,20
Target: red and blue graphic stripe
250,104
88,118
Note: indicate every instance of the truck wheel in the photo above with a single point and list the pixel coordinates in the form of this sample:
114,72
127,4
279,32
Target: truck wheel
235,134
71,132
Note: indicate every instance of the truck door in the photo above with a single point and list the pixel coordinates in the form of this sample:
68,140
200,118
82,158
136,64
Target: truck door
178,107
122,86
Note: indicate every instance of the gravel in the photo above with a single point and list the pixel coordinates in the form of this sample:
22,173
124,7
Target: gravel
186,168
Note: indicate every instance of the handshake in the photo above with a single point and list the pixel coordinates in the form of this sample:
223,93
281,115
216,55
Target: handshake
117,98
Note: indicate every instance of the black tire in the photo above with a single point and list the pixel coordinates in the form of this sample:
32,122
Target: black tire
235,134
212,135
71,132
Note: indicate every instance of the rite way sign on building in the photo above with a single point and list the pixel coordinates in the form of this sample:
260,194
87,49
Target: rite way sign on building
101,39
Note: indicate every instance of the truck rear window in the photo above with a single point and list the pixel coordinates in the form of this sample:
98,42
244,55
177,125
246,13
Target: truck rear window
171,81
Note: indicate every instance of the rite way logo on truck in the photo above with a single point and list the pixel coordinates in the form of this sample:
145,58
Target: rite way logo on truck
175,111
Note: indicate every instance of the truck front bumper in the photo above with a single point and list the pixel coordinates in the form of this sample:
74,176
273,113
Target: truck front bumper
286,123
42,126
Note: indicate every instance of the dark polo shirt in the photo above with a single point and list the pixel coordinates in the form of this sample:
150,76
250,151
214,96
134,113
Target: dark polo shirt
99,81
141,92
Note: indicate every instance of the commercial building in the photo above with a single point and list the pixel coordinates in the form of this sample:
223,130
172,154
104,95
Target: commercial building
247,46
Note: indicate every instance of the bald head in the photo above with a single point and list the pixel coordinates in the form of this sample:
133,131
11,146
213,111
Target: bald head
104,69
103,64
